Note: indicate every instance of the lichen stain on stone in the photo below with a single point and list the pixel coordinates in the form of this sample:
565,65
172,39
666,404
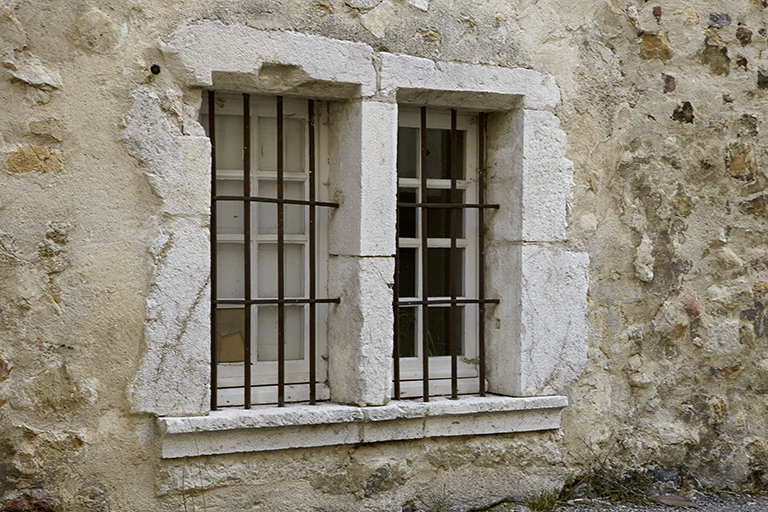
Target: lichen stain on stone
684,113
431,35
682,203
741,162
718,409
744,35
655,45
34,158
728,372
716,57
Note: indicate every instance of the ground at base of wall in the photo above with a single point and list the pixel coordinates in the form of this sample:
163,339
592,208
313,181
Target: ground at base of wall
695,500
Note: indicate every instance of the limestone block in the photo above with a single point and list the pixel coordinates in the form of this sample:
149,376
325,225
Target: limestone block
29,69
363,178
360,329
174,375
529,176
539,344
403,73
212,54
178,167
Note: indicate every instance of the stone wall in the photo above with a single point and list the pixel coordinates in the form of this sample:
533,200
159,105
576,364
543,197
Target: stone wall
662,105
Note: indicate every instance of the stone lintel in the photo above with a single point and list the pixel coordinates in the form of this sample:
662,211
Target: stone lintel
241,58
403,76
267,428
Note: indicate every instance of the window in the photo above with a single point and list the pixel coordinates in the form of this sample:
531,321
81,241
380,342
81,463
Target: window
439,304
269,237
535,337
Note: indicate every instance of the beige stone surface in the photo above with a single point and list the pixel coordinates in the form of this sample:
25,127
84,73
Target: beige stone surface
663,121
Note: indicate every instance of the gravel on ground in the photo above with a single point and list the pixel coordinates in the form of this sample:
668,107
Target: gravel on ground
694,501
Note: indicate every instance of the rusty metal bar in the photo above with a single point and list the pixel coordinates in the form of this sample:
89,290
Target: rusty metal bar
424,259
247,248
452,205
312,277
280,261
453,330
256,199
395,302
278,301
214,248
439,302
481,251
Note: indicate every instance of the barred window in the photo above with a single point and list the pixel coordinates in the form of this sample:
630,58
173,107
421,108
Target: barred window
268,313
439,298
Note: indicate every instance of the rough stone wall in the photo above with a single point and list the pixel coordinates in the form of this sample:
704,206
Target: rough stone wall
663,106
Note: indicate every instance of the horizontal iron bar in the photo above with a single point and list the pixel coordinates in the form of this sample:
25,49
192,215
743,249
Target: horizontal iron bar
303,202
449,205
445,301
276,301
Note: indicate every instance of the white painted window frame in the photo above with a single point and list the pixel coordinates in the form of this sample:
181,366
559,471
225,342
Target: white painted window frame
264,374
440,367
536,342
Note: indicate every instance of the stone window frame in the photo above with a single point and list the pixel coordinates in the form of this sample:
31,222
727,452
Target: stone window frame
531,358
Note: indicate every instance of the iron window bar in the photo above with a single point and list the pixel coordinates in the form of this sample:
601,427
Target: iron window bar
454,207
246,199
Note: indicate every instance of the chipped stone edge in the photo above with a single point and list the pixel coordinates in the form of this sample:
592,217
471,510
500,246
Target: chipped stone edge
267,428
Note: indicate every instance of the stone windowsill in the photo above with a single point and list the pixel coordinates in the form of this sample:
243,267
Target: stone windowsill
302,426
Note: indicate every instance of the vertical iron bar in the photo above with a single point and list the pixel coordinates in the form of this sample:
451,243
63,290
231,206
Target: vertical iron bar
455,271
280,262
312,290
214,247
396,298
424,260
481,249
247,247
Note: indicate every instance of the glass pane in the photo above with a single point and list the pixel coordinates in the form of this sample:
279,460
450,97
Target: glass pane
267,270
230,271
407,152
407,334
229,142
407,268
439,274
266,333
407,214
229,334
439,154
293,144
229,214
294,214
439,219
440,328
